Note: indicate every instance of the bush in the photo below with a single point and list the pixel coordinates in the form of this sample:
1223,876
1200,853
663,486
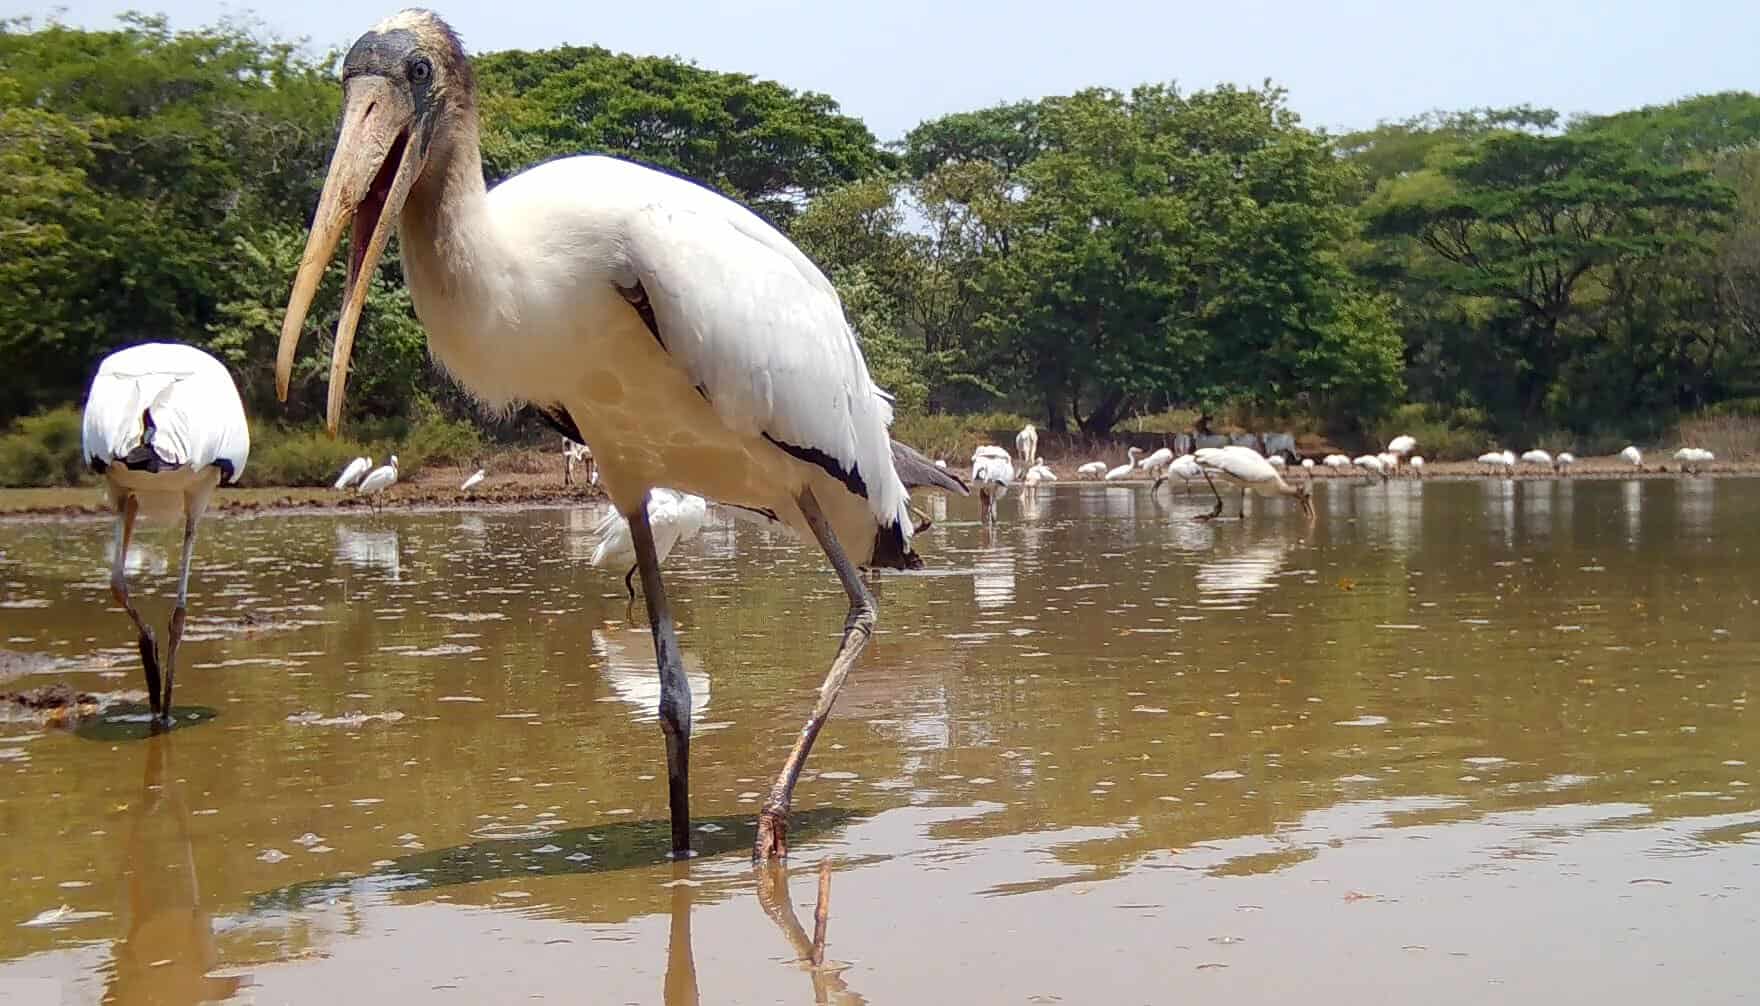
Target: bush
44,450
307,456
954,437
1443,433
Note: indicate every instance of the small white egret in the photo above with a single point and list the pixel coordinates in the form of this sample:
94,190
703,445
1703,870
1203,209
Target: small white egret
1038,474
1124,471
673,515
1186,467
1092,470
1156,462
1026,443
354,472
1417,463
1247,468
1337,462
1632,456
992,471
1372,464
165,427
1537,457
378,480
476,479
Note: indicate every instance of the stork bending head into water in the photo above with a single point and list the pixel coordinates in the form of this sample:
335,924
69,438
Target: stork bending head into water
992,471
164,425
1248,469
680,334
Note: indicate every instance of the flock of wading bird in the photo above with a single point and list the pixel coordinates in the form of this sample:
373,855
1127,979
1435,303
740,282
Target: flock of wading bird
704,354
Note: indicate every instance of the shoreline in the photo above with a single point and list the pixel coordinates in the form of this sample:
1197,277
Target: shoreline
437,490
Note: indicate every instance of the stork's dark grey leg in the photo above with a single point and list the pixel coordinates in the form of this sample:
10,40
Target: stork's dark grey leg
772,837
675,688
629,584
1212,515
149,647
175,632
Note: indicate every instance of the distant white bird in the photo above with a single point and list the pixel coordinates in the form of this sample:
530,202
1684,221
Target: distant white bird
1632,456
1372,464
1564,460
1417,463
1505,460
1277,460
1401,445
1092,470
1156,462
1026,443
1692,457
1186,467
165,427
1537,457
353,473
1038,474
378,480
476,477
1124,471
1308,463
1247,468
992,471
1336,462
575,453
941,463
673,516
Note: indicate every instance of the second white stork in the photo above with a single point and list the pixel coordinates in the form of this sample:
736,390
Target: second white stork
673,516
1026,443
1632,456
1124,471
165,427
1247,468
1092,470
683,336
992,471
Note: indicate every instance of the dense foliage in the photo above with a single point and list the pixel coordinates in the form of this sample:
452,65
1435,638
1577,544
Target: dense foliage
1078,259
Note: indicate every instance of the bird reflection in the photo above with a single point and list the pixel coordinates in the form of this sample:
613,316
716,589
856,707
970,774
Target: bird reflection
370,550
1632,505
1231,578
1693,501
993,579
169,947
626,663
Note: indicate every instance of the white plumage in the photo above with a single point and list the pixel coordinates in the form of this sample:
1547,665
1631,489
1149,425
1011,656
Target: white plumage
577,454
1401,445
1632,456
679,333
1371,463
1248,469
353,472
1277,461
1417,463
165,426
1537,457
1026,444
1186,467
1156,462
1040,473
476,478
674,517
1691,457
1092,470
1564,460
1124,471
379,479
992,471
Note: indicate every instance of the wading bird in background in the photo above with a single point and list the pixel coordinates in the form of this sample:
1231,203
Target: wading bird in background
1399,447
475,480
1039,474
685,337
673,516
1091,470
916,472
377,481
992,471
1417,463
1026,443
574,453
1247,468
354,472
1124,471
165,427
1632,456
1186,467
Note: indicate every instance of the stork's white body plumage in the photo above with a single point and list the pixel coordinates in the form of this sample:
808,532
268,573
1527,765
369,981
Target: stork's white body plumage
1026,443
1417,463
1039,474
353,472
379,479
1537,457
1337,462
992,471
165,426
1156,461
1247,468
475,480
1124,471
1632,456
1373,464
1092,470
1186,467
1401,445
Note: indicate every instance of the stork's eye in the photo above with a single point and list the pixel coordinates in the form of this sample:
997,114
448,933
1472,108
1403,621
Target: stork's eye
420,70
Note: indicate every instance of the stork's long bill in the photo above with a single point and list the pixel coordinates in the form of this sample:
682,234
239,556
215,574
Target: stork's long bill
386,122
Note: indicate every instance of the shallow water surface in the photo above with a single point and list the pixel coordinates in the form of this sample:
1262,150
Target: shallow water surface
1467,741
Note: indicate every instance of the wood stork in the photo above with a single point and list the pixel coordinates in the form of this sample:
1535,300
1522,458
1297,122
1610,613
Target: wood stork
1186,467
1692,457
916,472
1537,457
1277,461
992,471
1632,456
378,480
164,425
1371,464
1026,444
1505,460
941,463
1247,468
475,480
1155,463
1401,445
1417,465
1308,465
574,453
1124,470
1092,470
1337,462
690,342
673,516
1039,474
1564,460
354,472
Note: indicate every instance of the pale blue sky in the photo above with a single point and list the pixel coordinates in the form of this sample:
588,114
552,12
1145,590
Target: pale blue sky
1346,63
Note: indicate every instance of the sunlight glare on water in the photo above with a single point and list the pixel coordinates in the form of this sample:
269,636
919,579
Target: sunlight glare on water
1464,741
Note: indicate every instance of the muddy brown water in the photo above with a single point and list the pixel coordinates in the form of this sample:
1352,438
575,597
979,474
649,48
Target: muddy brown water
1462,742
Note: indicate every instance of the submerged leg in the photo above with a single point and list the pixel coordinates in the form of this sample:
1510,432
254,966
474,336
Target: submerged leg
1212,515
675,688
772,837
175,632
149,647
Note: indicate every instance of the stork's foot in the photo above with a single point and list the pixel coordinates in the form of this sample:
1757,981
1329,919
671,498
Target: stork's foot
772,840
